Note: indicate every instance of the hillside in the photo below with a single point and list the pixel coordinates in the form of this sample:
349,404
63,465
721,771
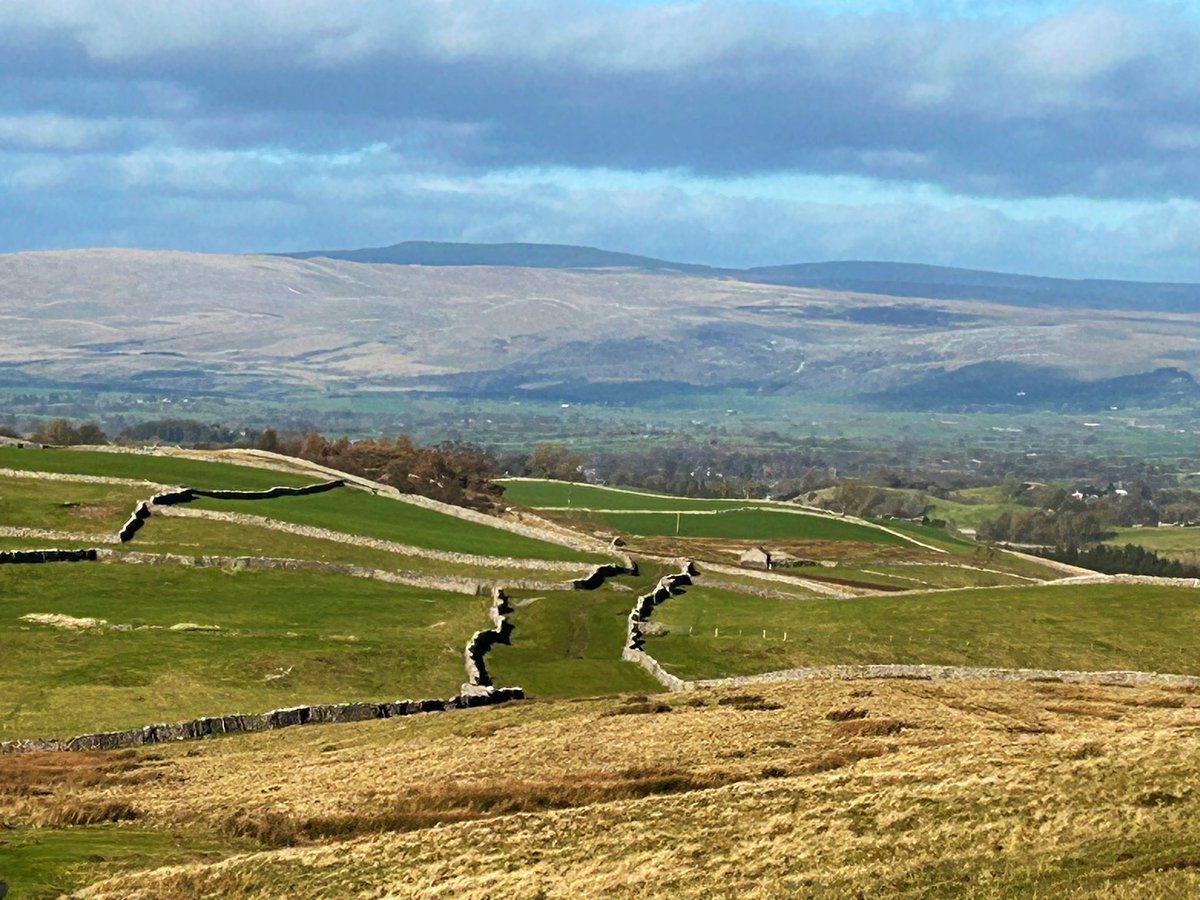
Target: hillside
204,651
894,788
273,327
893,279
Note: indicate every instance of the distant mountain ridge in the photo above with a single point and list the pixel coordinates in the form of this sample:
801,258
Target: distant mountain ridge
864,277
526,256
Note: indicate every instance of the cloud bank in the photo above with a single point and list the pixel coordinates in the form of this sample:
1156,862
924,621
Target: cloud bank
281,125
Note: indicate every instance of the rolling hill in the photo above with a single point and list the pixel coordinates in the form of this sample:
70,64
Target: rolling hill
277,327
893,279
904,704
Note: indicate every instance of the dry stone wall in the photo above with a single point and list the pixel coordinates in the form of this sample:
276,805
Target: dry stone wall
635,638
46,556
930,673
268,721
453,584
358,540
478,679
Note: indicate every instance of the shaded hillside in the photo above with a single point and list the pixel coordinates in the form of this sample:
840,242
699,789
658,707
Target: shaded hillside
1010,384
940,282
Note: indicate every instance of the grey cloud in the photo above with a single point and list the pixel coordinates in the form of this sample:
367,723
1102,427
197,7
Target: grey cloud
1098,101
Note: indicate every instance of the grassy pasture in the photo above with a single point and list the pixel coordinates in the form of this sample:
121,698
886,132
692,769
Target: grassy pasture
569,643
1173,541
148,467
358,512
343,638
747,524
1084,627
542,494
197,537
66,505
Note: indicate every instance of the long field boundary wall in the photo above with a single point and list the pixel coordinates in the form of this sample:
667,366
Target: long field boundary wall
322,713
643,607
935,673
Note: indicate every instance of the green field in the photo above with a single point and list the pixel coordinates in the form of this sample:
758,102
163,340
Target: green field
1084,627
148,467
206,537
358,512
343,638
570,643
1174,541
746,524
66,505
544,494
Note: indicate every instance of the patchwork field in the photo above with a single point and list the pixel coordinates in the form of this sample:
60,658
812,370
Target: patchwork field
544,494
1174,542
838,788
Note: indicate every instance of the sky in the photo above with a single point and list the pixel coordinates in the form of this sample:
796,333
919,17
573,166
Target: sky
1051,138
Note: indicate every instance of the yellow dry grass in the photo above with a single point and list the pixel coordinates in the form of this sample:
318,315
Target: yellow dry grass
809,789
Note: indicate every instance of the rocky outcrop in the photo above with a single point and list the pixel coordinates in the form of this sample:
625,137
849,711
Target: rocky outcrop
478,679
635,638
268,721
46,556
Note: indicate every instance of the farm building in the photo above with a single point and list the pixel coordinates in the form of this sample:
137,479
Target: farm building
757,557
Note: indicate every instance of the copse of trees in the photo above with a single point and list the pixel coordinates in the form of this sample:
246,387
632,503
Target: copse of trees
1128,560
462,474
62,433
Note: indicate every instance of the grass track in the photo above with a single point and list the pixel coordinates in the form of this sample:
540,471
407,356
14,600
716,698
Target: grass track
1084,627
569,643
